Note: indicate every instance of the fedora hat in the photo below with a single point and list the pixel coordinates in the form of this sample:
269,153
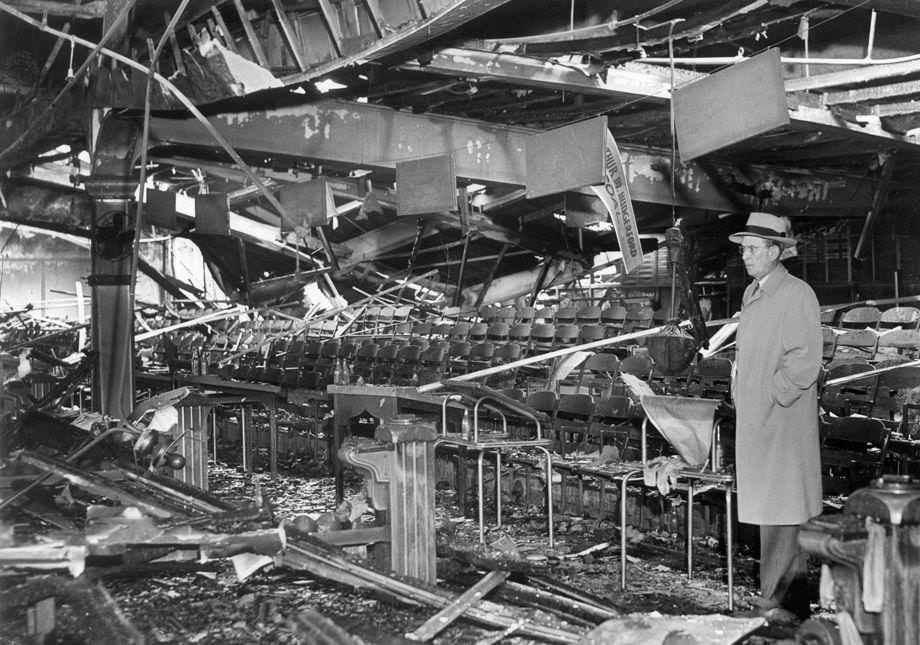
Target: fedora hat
768,227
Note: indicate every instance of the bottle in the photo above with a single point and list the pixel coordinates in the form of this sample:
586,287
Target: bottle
337,372
466,432
346,372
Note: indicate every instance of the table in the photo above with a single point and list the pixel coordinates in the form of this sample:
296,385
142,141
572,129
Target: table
245,393
483,443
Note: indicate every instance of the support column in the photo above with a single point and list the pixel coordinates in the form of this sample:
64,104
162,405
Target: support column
112,185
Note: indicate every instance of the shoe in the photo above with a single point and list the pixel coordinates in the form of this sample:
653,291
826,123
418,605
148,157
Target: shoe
776,616
780,617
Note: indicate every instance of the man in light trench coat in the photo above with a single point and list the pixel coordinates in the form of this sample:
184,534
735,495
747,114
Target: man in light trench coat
777,457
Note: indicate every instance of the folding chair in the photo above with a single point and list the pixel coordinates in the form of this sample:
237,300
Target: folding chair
573,414
903,317
853,451
860,318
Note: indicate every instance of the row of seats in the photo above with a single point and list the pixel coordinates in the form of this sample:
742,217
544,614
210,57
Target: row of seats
872,317
892,396
870,344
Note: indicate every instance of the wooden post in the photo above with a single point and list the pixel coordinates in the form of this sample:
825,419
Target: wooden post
399,469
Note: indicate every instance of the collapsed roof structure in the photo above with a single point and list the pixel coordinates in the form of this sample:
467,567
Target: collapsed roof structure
309,172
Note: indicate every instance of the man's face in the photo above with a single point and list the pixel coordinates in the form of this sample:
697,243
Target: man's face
759,256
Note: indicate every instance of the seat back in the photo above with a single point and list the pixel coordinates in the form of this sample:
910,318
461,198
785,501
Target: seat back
480,356
459,332
597,375
458,358
637,365
566,335
365,359
564,316
615,421
854,396
903,317
525,314
588,315
903,342
407,364
541,338
498,332
711,378
829,340
477,332
853,451
520,333
861,342
860,318
893,393
432,365
573,414
589,333
613,316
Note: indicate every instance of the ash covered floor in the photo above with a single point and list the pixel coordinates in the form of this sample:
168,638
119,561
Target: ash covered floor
207,602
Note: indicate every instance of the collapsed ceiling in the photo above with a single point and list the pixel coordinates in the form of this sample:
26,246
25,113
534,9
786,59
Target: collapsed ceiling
346,90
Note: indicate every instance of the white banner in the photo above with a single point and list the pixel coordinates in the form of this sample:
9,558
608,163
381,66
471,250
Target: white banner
615,196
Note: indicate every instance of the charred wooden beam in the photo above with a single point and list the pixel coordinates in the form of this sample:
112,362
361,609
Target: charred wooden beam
91,600
310,555
251,36
287,30
89,11
224,30
458,607
95,484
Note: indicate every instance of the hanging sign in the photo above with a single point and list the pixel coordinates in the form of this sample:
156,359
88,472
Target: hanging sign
614,194
426,185
566,158
308,204
212,214
732,105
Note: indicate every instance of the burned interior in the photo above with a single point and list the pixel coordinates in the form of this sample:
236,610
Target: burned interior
474,321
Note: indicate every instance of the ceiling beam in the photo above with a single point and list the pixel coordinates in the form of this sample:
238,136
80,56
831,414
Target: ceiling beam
374,137
877,93
864,74
898,7
627,81
632,82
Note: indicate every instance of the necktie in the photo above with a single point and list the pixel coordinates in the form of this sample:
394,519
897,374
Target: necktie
755,291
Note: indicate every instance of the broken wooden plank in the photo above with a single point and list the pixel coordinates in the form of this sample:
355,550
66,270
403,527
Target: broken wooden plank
93,483
335,30
458,607
88,11
354,537
251,36
91,600
310,626
287,30
310,555
225,32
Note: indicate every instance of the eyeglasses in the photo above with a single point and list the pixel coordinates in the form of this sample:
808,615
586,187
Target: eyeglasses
750,249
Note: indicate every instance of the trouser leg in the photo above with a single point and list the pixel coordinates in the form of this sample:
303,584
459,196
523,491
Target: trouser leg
783,569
